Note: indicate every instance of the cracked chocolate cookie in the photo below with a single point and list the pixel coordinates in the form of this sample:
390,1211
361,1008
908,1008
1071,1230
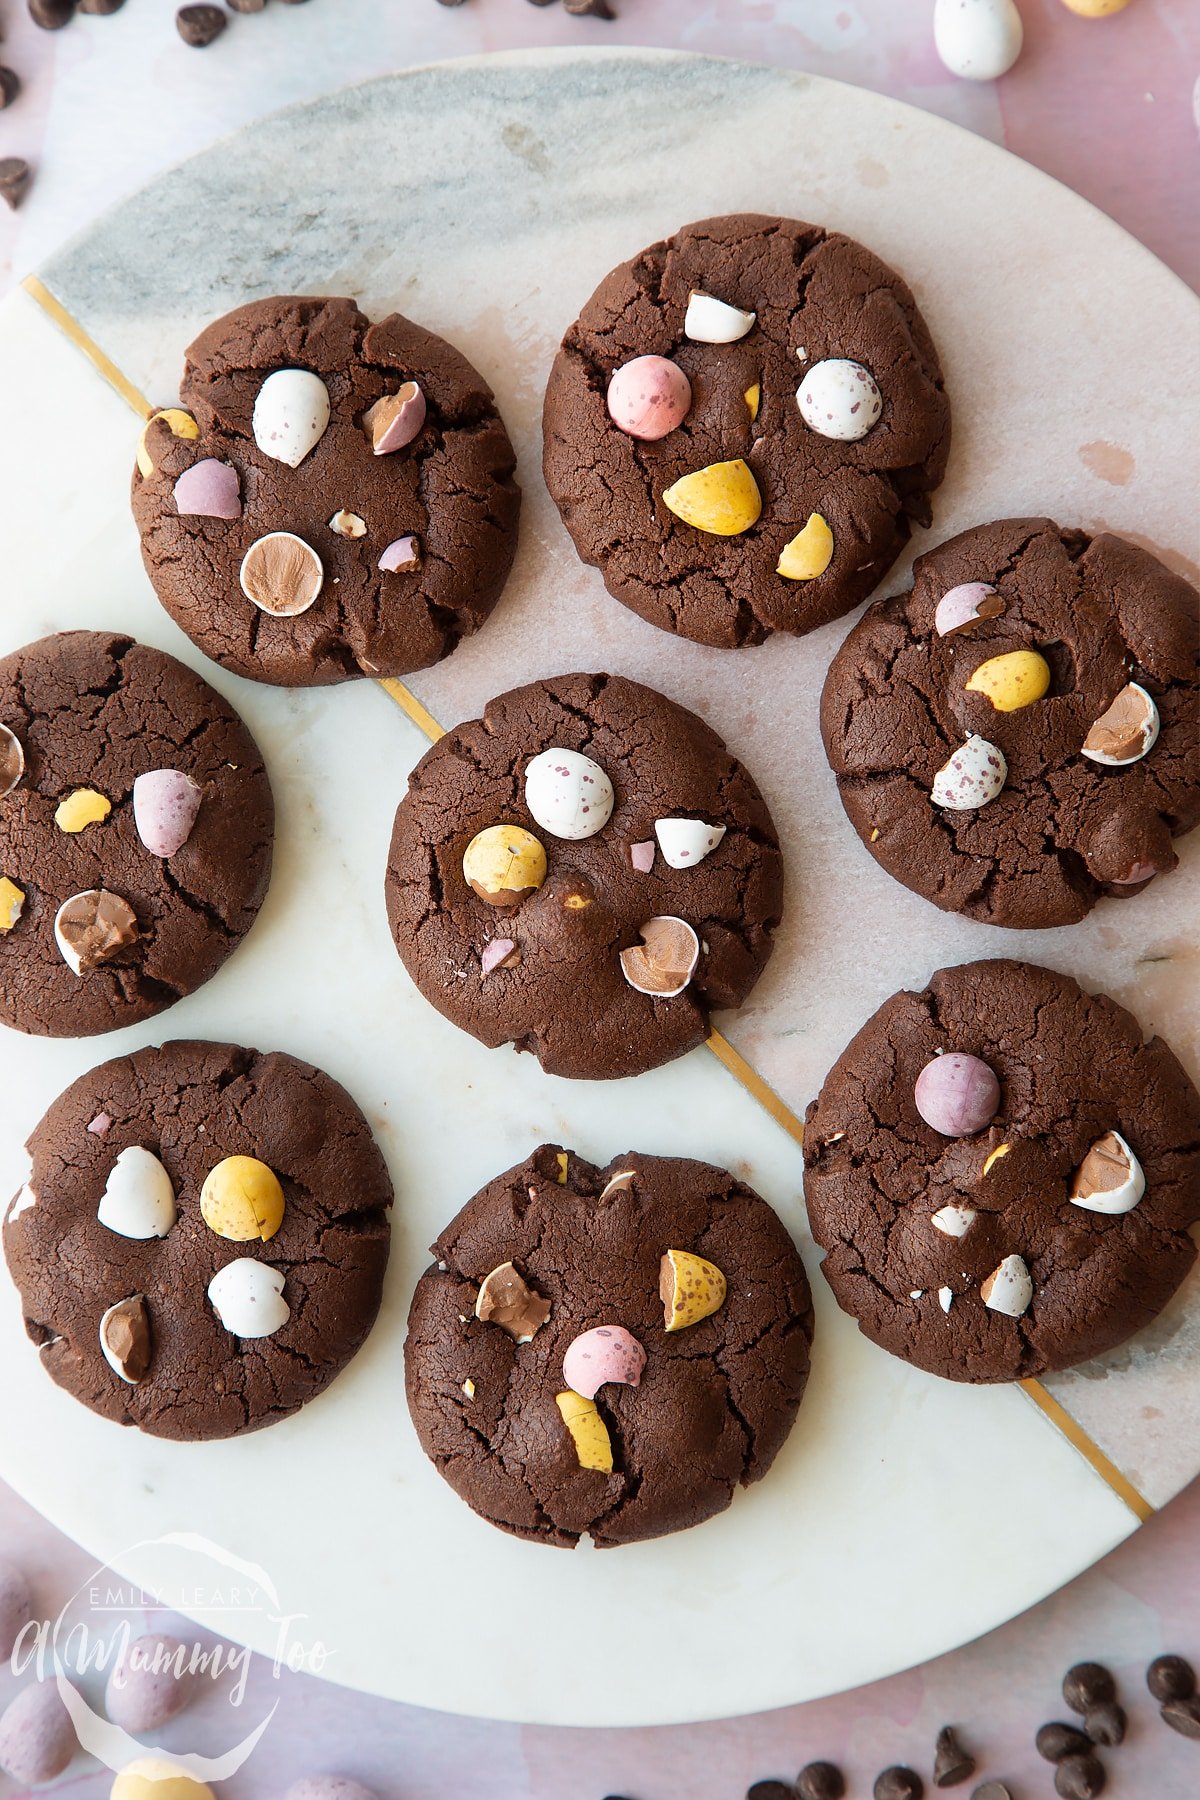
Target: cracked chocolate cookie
742,426
201,1243
584,872
1015,738
1002,1174
333,499
136,825
608,1351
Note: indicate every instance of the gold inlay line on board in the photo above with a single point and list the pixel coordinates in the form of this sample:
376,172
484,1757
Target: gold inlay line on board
72,329
722,1049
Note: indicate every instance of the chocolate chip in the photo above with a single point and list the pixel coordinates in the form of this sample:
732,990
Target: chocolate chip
101,7
1056,1740
992,1790
1171,1678
898,1783
1086,1685
1080,1778
200,26
10,86
246,5
1106,1724
820,1781
51,15
771,1790
590,9
951,1763
1183,1716
15,176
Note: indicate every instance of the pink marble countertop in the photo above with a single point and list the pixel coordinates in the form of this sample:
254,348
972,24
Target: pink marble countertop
1109,108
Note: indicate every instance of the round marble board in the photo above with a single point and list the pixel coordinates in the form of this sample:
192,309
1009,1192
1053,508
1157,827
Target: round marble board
486,199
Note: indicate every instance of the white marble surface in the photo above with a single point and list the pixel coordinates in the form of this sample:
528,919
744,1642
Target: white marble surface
498,196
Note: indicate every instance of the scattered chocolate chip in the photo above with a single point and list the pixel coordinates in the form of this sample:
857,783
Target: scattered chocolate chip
589,9
1056,1740
1106,1724
15,176
820,1781
898,1783
101,7
1086,1685
51,15
1183,1716
1080,1778
992,1790
951,1763
200,26
771,1790
1171,1678
10,86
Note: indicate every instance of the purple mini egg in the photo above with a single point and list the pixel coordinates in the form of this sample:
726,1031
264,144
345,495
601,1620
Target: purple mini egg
957,1095
15,1606
37,1739
209,490
144,1691
165,806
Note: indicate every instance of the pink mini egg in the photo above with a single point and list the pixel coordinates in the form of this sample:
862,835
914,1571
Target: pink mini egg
37,1739
649,397
210,490
606,1353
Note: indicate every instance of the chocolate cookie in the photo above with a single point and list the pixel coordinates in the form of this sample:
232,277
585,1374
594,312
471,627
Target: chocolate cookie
1015,738
336,498
1002,1174
742,426
201,1244
584,872
136,824
544,1379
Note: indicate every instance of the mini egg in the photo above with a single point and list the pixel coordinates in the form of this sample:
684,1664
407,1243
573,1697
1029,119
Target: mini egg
247,1297
649,397
722,499
1012,681
965,605
712,321
291,414
568,794
957,1095
603,1354
686,842
1009,1288
839,399
139,1198
977,39
809,553
504,864
975,774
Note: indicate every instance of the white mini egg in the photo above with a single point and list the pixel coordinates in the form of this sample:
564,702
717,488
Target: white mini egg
839,399
139,1200
977,39
974,775
291,412
686,842
712,321
247,1297
568,794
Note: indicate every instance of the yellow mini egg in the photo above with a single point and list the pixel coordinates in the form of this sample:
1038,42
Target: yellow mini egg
1095,9
504,864
80,809
690,1287
810,552
593,1446
241,1200
753,399
12,903
1013,680
155,1778
181,425
722,499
